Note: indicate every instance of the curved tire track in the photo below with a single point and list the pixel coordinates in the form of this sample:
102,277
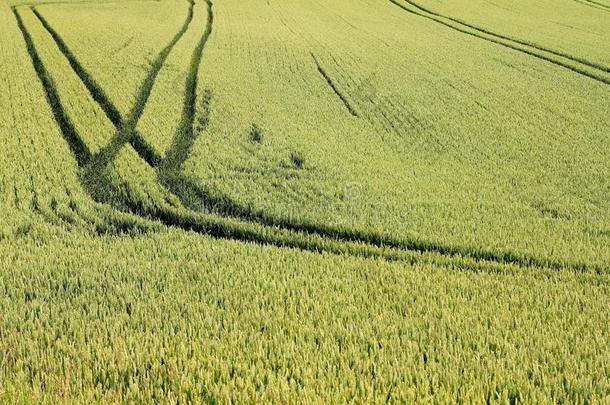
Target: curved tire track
513,39
242,224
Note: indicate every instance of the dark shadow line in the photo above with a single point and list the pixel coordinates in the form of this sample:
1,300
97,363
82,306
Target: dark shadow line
499,42
123,46
334,87
77,146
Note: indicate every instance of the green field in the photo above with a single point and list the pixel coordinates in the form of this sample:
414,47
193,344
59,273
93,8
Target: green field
305,201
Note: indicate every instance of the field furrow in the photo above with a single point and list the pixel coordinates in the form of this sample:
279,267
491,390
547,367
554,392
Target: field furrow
334,88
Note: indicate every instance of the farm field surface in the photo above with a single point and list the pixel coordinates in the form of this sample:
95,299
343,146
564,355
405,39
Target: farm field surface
305,201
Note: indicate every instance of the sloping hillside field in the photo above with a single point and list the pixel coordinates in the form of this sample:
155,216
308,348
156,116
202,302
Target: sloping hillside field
305,201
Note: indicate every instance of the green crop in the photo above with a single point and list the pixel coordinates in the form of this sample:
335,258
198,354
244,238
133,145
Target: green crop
304,201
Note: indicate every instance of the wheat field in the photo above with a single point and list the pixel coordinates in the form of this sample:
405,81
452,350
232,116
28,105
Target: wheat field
289,201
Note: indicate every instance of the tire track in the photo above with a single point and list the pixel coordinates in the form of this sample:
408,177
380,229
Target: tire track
95,90
512,39
179,152
185,135
78,148
577,65
597,3
594,4
224,206
127,132
102,99
242,224
170,217
334,87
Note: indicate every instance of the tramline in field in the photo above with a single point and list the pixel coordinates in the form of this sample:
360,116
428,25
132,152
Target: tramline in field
381,200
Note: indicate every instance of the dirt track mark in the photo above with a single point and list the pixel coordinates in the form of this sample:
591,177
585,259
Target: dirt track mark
577,65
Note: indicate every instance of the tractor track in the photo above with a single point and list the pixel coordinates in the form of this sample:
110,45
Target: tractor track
538,47
95,90
240,223
334,87
516,40
127,132
79,149
594,4
185,135
577,65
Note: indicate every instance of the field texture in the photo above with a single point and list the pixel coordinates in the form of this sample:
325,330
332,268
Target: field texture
305,201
